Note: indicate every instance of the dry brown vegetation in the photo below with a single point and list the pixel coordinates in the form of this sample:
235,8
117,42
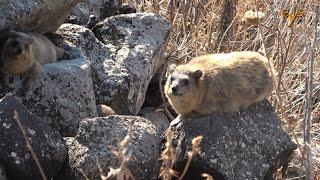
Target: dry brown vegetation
288,38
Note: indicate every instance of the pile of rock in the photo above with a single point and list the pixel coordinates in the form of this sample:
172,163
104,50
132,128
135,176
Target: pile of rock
112,64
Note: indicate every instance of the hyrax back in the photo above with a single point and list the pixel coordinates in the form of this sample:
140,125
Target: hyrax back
104,110
21,52
219,83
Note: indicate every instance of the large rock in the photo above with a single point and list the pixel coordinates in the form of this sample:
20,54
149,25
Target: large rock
3,175
136,44
123,63
62,94
249,144
37,15
100,8
157,117
98,139
46,143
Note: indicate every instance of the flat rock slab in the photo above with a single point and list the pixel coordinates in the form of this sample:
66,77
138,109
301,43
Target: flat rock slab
98,139
46,143
249,144
40,16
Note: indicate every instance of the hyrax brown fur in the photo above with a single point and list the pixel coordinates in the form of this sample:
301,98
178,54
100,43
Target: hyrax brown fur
104,110
218,83
25,53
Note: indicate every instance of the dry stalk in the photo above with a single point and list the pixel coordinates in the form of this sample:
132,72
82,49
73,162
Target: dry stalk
226,29
83,174
124,156
33,154
167,157
191,154
166,104
308,110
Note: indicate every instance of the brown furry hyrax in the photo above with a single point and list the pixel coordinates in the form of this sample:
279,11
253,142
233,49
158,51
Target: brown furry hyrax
218,83
25,53
104,110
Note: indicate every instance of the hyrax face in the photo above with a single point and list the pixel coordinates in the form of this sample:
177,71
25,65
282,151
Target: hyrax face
182,83
15,55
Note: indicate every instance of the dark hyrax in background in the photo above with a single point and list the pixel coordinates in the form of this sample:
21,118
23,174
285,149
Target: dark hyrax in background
25,53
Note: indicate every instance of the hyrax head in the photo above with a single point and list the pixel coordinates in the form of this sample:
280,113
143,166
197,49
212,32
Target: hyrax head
15,52
16,43
183,81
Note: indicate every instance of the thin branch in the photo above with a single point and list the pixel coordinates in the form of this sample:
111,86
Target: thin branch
195,150
33,154
161,92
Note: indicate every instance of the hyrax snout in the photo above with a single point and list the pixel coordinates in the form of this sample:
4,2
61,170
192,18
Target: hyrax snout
218,83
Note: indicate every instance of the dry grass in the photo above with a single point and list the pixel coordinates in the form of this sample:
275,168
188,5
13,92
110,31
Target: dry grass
124,156
170,153
168,157
286,41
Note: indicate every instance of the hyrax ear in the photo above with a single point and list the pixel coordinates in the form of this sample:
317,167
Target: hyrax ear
198,74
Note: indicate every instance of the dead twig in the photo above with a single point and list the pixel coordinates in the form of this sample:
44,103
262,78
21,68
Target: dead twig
195,150
167,157
124,156
33,154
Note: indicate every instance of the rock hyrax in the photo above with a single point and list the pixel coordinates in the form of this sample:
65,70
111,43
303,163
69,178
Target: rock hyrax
104,110
218,83
25,53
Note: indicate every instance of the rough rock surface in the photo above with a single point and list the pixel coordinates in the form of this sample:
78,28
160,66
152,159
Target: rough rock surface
62,94
37,15
3,175
136,45
243,145
100,8
157,117
124,63
46,143
97,141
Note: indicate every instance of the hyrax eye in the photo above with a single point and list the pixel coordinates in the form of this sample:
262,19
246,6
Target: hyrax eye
185,82
172,79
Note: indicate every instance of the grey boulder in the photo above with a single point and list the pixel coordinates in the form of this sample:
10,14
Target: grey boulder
40,16
249,144
62,94
98,139
99,8
46,143
125,52
157,117
135,45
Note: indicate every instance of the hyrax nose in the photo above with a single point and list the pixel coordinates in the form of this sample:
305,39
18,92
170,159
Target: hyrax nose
174,89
